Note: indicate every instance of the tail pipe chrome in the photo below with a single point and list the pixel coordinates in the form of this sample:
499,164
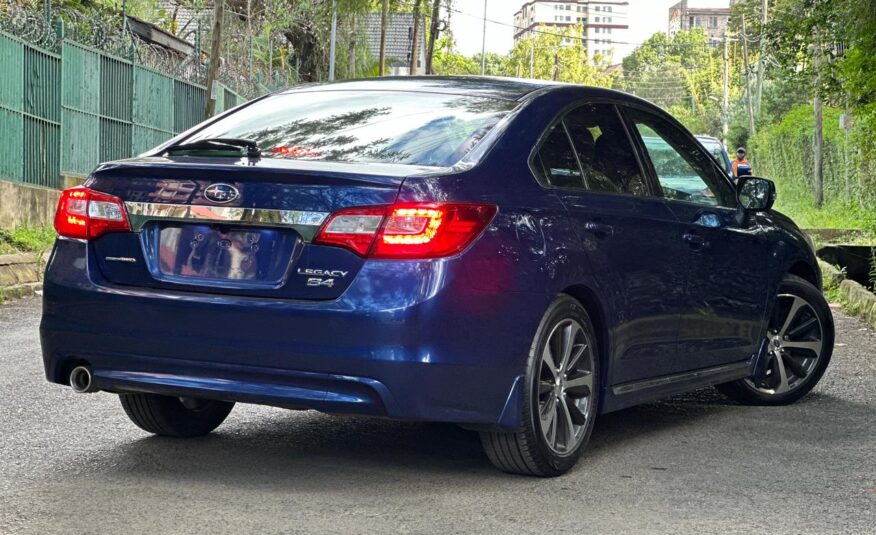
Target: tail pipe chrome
81,380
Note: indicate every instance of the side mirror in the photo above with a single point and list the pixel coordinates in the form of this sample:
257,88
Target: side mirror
755,194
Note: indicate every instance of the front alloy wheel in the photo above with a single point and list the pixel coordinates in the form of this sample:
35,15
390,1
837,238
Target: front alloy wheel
799,345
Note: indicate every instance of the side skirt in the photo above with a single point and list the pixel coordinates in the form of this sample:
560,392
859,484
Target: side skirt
636,392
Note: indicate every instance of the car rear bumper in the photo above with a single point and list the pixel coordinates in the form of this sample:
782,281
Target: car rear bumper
407,340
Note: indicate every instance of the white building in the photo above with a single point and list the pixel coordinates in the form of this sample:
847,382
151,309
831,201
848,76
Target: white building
606,31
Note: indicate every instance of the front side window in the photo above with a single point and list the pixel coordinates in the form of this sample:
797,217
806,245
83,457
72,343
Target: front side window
604,149
685,172
363,126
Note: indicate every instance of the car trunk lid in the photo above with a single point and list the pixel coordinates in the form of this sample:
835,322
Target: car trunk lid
234,227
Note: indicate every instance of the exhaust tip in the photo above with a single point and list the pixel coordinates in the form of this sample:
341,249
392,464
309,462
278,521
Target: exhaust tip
81,380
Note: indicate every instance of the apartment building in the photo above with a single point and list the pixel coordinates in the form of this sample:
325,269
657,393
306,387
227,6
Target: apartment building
687,15
605,27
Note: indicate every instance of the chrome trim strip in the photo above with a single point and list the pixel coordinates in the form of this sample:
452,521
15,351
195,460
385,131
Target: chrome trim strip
306,223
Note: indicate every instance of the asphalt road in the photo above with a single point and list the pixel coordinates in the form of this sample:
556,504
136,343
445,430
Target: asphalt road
694,464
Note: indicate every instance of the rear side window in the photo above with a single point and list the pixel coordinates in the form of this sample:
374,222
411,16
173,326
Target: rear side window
556,160
593,136
364,126
607,158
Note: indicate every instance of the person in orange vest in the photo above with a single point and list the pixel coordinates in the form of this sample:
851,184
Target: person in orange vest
740,161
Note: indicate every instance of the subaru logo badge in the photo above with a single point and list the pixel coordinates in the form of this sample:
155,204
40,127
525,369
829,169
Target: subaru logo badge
221,193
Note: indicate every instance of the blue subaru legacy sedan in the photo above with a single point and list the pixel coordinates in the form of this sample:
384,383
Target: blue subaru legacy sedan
516,257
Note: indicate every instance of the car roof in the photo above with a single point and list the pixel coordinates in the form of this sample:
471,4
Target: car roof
709,138
476,86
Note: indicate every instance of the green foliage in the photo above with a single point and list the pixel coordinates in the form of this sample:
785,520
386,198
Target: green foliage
35,239
550,55
872,273
784,153
843,35
448,61
555,54
685,75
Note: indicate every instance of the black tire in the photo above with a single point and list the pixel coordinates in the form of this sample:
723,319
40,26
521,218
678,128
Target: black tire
171,417
526,451
745,391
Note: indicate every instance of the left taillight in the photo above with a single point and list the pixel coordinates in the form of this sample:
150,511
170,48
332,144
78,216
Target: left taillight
85,214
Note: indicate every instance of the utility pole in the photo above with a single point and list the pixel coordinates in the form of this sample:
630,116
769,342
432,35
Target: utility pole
747,79
351,62
384,12
215,53
725,103
532,59
249,34
819,129
484,43
433,34
333,40
416,34
761,63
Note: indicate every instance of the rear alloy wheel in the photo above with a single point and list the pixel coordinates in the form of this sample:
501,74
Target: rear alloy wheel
175,417
799,346
560,400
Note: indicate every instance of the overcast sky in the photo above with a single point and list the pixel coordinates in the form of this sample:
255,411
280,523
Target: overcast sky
646,17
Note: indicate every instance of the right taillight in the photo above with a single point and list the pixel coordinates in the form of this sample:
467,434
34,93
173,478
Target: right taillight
407,231
85,214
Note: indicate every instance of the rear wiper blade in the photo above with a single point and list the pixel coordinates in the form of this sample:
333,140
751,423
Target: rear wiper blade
220,143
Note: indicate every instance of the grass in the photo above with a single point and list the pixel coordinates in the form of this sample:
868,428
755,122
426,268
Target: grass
26,239
833,214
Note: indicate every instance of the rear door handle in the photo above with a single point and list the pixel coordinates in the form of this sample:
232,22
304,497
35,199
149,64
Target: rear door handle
695,241
600,229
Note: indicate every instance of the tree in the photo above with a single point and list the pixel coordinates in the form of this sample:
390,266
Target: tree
384,23
415,38
448,61
685,75
553,54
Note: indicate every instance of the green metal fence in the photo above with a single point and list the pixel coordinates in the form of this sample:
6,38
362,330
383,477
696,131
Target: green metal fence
64,114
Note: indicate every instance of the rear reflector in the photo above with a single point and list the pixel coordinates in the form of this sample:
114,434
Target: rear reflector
412,231
85,214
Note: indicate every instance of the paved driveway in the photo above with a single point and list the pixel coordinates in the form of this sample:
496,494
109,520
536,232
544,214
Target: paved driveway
694,464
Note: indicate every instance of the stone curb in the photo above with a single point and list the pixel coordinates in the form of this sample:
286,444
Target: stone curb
18,291
858,300
831,275
20,275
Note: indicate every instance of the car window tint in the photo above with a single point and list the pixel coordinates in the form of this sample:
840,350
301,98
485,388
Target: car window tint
606,154
363,126
685,172
557,160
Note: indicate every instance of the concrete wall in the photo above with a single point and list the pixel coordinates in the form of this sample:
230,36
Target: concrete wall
31,206
22,205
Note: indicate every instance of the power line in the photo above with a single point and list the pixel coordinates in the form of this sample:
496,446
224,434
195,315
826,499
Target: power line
595,40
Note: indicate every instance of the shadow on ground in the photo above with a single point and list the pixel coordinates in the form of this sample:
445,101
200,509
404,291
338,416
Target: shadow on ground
286,445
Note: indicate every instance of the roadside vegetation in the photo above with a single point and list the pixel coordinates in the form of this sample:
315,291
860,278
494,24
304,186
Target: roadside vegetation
808,51
26,239
824,52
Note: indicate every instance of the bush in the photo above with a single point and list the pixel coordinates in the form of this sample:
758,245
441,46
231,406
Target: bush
32,239
783,151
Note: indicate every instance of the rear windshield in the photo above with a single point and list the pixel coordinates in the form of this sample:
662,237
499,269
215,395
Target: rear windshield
364,126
